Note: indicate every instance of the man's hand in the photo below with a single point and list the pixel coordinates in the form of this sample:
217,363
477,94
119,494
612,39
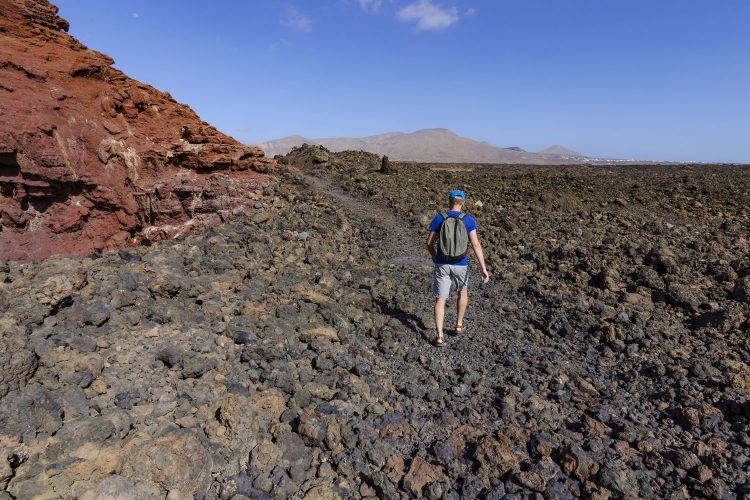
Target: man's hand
480,255
485,276
431,245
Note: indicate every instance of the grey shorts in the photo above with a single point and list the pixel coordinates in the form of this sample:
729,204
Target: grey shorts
445,274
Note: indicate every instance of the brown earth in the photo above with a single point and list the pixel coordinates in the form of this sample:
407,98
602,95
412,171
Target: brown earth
91,159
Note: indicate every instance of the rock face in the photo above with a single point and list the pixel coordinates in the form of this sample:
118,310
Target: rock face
91,159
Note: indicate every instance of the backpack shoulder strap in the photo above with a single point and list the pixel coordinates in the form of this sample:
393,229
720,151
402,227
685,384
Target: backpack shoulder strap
444,215
461,216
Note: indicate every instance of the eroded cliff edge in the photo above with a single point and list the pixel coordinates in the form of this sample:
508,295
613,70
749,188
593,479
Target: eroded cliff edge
91,159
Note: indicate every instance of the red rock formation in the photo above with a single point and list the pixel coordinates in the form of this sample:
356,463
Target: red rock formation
91,159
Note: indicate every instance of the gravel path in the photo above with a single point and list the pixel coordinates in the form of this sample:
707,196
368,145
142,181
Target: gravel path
500,344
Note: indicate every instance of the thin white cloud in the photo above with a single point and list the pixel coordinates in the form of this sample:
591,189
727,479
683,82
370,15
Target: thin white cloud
470,11
297,19
370,6
428,15
136,15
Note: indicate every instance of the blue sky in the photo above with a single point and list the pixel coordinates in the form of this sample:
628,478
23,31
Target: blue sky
646,79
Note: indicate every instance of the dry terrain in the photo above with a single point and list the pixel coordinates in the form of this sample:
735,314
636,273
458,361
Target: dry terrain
287,354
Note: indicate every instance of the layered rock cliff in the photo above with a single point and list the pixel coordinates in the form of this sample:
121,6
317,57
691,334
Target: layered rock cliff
92,160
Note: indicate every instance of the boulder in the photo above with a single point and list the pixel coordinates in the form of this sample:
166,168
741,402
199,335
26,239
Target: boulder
16,357
495,457
576,463
115,487
74,461
420,474
176,462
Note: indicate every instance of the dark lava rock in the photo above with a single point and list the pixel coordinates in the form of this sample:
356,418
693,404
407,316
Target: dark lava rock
170,356
607,356
18,360
34,412
194,365
244,337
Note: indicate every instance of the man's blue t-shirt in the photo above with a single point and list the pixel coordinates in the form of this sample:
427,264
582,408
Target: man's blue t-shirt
437,221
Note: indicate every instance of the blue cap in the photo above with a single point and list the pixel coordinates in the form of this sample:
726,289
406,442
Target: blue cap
456,193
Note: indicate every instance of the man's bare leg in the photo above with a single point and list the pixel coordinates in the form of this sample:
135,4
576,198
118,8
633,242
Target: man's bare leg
461,304
439,318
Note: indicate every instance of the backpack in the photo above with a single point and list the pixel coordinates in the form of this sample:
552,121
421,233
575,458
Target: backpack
453,239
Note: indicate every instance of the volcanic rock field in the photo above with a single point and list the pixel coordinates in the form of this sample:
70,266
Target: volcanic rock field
287,354
182,317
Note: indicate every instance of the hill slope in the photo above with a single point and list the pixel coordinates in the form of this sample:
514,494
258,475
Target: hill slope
558,150
91,159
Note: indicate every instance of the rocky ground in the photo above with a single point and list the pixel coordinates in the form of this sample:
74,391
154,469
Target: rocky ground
287,354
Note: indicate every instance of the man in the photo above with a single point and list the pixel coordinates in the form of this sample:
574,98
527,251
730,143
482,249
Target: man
450,270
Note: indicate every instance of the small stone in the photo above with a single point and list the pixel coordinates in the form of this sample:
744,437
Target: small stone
684,459
420,474
244,337
152,333
576,462
175,461
617,476
542,444
170,356
99,386
115,486
531,480
367,491
688,417
195,365
325,470
702,473
122,400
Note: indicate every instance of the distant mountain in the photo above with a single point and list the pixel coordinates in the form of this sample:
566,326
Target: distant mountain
558,150
429,145
284,145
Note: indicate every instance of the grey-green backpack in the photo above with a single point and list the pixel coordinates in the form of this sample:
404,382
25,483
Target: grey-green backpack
453,239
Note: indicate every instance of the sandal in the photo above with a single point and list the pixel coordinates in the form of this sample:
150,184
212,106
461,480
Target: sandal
460,329
440,343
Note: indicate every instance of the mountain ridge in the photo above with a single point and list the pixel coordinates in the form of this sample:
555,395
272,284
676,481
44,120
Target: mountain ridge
439,145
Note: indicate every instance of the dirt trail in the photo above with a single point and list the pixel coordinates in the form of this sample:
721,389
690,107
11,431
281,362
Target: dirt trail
501,342
493,358
410,264
403,244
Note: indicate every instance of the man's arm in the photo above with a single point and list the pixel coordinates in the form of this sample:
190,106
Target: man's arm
480,255
431,245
